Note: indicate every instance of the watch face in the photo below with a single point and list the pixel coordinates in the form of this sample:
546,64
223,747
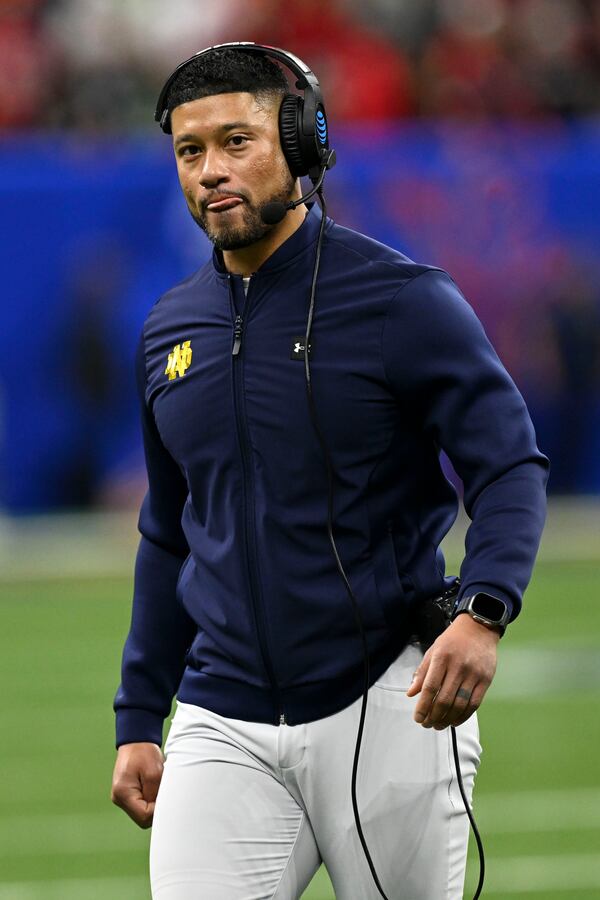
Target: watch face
488,607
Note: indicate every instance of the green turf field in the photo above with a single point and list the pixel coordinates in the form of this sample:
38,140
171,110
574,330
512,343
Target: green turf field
538,794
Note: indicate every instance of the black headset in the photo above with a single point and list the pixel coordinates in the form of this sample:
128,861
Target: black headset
303,128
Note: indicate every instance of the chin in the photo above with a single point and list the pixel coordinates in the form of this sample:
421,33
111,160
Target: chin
238,239
227,235
230,243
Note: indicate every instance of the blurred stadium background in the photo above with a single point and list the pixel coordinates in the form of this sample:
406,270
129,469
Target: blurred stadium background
468,135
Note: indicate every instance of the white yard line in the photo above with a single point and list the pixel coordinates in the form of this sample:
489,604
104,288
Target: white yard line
79,545
506,875
70,834
131,888
519,812
103,544
539,874
536,671
73,834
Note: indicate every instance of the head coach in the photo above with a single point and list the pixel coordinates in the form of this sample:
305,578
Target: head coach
296,393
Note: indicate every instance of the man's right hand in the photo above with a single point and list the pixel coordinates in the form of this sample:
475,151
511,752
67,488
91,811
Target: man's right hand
136,778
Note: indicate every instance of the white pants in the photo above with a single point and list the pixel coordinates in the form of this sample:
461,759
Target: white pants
248,811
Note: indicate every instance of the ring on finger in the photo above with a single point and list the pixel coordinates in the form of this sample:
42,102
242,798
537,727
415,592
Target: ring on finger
463,694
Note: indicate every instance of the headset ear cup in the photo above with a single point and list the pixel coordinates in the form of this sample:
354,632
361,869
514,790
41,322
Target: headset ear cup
290,117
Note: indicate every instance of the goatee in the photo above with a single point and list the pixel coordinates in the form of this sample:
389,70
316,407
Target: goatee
226,236
231,237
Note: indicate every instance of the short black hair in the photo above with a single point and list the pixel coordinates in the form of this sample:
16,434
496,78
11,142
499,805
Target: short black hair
226,71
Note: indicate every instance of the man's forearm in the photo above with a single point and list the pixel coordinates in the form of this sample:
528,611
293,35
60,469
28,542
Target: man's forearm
502,542
153,658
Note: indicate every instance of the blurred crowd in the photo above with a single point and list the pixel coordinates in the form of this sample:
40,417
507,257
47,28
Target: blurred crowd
509,209
98,64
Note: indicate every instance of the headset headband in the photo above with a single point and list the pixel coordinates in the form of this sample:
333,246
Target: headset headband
306,81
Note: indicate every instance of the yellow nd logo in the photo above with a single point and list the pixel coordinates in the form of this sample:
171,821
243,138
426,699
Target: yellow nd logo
179,360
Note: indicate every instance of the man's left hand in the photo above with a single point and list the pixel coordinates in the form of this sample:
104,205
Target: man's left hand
455,673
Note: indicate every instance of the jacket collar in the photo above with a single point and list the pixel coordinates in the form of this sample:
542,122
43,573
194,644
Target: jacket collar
298,242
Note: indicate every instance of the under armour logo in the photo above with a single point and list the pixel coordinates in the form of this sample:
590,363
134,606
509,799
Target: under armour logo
298,347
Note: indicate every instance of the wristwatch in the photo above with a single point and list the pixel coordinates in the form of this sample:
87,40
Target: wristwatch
485,608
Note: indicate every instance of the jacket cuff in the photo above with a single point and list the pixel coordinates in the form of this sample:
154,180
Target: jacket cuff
138,725
467,590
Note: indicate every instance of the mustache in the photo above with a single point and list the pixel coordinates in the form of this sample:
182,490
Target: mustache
221,195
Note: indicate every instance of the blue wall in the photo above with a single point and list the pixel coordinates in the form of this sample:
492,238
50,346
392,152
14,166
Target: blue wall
94,230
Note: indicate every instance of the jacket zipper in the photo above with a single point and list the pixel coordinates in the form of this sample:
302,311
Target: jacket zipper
237,335
248,488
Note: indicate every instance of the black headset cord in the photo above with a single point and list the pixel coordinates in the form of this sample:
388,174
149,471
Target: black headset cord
359,624
470,815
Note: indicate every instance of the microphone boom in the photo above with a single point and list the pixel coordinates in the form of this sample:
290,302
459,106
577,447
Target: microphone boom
274,211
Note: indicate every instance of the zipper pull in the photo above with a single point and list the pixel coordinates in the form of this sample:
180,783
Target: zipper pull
237,331
282,719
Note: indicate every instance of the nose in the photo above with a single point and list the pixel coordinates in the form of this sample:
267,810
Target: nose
213,171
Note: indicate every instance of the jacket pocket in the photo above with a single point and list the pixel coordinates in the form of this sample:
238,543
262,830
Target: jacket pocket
395,588
405,582
410,549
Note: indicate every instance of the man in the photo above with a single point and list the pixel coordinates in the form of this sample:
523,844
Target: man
238,604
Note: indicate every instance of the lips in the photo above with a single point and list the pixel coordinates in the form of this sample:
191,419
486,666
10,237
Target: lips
224,204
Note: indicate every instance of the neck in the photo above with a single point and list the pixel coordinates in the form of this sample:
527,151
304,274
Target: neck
247,260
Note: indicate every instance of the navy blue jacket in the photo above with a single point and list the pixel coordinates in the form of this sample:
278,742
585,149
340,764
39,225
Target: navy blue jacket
238,606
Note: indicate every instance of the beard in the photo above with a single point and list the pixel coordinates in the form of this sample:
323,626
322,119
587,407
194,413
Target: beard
227,236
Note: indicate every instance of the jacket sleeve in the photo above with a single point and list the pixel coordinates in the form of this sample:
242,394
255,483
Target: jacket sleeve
161,631
440,363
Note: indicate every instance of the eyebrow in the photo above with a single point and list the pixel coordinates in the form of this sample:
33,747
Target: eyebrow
227,126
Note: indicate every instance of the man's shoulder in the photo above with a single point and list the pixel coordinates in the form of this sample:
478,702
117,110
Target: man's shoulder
174,302
364,249
181,292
